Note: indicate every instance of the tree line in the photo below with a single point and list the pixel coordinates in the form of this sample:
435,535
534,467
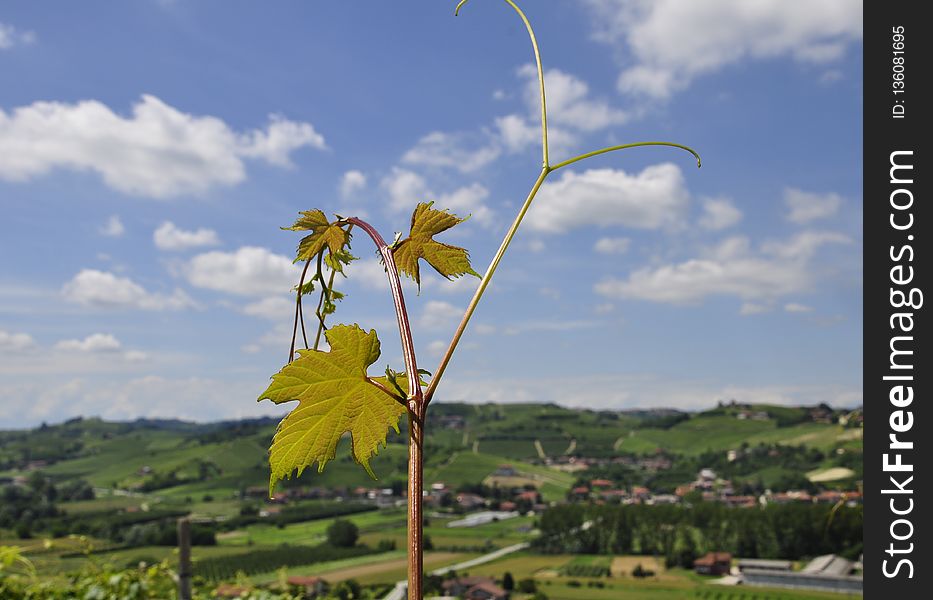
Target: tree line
683,533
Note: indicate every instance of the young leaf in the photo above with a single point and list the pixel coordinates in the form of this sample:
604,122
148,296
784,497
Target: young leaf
335,397
329,306
449,261
323,233
306,289
337,260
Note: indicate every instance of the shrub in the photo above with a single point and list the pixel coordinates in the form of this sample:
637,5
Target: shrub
342,534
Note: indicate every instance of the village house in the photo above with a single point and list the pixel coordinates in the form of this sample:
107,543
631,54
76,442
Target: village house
460,585
486,591
313,586
713,563
470,501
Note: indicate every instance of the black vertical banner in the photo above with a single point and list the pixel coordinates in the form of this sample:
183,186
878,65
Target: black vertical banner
898,426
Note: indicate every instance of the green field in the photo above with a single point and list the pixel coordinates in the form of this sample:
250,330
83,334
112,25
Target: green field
206,470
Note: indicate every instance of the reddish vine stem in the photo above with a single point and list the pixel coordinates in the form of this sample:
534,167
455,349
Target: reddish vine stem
416,413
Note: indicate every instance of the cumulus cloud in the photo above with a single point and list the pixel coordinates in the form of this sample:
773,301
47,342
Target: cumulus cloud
571,111
804,207
733,268
15,342
796,307
719,213
158,151
279,140
438,315
612,245
102,289
655,198
117,398
274,308
249,271
437,347
517,132
569,102
406,188
10,36
96,342
113,227
170,237
673,42
352,182
752,308
461,151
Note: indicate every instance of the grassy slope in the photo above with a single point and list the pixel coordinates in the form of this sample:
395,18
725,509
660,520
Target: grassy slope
114,453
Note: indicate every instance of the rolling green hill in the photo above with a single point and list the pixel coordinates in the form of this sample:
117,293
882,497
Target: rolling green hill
173,461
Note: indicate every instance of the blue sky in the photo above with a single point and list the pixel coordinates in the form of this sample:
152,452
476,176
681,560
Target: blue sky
150,151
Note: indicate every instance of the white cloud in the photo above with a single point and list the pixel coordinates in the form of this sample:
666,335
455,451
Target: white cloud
249,271
732,268
170,237
672,42
158,151
568,101
113,227
279,140
522,328
655,198
804,207
274,308
96,342
438,315
135,356
368,273
517,132
612,245
639,391
571,111
103,289
537,246
460,151
467,200
752,308
352,182
719,213
10,36
406,189
437,347
149,396
604,309
794,307
15,342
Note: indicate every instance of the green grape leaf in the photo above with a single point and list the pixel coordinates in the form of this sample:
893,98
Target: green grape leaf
337,260
449,261
306,289
335,397
323,233
329,306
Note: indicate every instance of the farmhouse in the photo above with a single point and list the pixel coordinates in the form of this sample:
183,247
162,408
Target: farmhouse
313,586
714,563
